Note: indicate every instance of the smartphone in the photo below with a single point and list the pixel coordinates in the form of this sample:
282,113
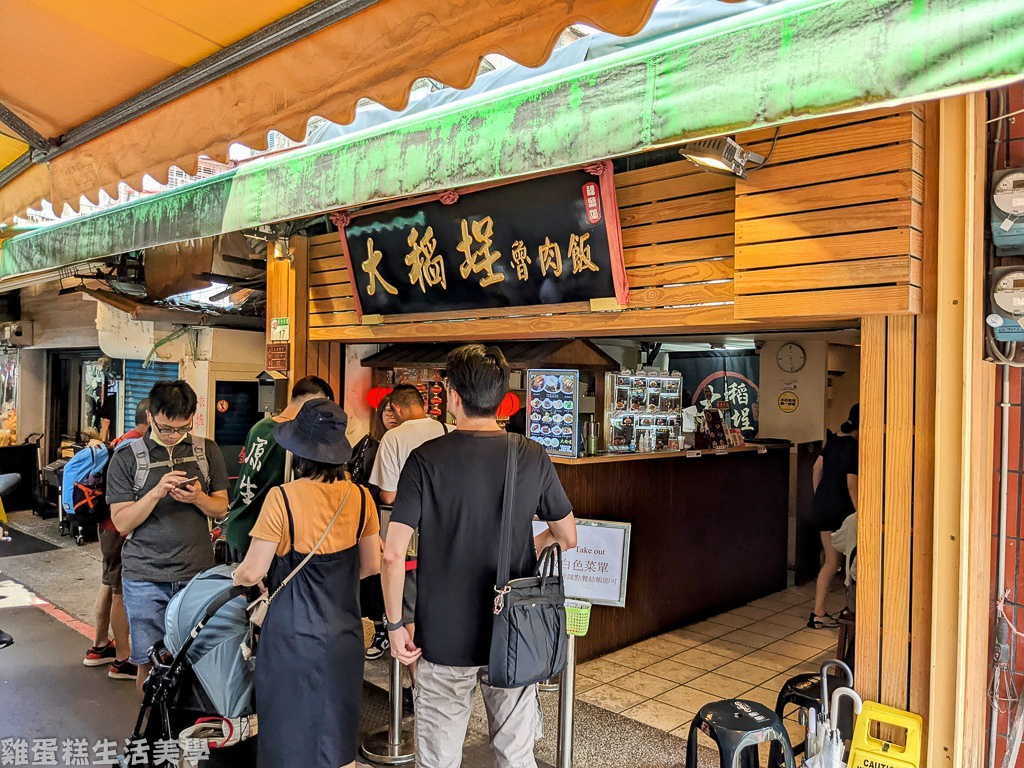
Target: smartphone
187,481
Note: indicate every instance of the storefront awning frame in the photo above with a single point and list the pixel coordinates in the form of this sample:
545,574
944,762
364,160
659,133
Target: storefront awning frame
770,66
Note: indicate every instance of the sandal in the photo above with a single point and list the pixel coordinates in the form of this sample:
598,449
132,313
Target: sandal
821,622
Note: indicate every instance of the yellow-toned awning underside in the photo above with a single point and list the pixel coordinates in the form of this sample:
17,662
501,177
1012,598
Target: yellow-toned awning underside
99,54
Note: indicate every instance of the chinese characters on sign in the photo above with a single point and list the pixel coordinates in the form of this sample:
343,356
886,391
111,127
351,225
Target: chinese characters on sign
596,570
732,377
78,751
540,241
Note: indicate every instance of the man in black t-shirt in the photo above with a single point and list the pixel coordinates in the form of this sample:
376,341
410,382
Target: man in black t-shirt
451,488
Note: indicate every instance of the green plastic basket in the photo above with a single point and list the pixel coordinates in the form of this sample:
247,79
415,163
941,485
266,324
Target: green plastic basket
577,617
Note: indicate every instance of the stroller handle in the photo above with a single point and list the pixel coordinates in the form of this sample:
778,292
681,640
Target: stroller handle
223,600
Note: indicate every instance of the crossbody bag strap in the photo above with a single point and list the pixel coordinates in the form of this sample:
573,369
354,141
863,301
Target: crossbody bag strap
307,558
507,505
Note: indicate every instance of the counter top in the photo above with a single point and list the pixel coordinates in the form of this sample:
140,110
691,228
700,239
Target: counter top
606,458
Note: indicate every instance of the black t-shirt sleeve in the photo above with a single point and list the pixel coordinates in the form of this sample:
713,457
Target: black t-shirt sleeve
852,457
554,504
408,506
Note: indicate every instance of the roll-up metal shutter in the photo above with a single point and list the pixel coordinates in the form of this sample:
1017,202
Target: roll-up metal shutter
138,381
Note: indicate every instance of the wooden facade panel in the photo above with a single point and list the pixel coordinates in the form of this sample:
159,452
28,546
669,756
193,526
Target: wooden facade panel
821,170
335,291
692,272
330,277
320,306
321,263
894,269
836,221
847,138
640,321
671,231
896,511
688,250
680,208
332,318
681,295
871,478
654,173
819,123
838,248
871,189
689,185
844,302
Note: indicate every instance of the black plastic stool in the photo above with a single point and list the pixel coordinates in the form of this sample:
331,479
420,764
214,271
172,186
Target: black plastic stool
804,691
735,725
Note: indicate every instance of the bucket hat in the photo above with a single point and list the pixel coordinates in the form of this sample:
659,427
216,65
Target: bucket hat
317,433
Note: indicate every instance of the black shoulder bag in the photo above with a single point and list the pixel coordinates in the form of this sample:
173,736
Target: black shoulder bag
528,643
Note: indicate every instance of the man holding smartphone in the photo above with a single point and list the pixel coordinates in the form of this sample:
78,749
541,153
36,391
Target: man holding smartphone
162,491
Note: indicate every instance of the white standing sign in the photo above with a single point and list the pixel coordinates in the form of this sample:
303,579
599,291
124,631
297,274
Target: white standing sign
596,569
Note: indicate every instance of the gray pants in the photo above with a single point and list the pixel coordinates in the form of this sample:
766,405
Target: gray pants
444,700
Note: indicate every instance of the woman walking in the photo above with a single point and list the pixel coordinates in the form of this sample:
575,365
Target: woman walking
317,536
835,499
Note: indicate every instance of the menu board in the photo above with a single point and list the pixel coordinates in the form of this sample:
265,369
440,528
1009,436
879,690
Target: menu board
552,410
645,411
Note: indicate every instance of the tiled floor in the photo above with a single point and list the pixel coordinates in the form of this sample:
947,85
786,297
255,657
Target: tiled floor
746,653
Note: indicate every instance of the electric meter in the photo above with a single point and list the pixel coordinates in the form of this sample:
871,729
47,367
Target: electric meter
1007,220
1006,312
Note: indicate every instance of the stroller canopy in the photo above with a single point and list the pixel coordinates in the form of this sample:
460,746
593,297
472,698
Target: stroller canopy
216,655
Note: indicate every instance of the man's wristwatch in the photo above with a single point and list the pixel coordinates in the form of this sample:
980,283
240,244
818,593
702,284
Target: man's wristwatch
393,627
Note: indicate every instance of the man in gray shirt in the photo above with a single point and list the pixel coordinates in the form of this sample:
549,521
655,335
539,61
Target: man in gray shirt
162,490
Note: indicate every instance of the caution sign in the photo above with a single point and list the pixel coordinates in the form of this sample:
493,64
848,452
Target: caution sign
788,402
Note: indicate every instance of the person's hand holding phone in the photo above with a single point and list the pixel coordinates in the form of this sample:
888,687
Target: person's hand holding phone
169,482
189,490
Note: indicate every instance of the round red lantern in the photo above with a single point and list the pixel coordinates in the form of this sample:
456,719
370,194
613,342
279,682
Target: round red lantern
509,405
375,395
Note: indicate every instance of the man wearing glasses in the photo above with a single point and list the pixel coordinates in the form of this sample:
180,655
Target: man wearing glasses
161,494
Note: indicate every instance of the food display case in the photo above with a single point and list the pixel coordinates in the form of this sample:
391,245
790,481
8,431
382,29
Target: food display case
644,411
552,410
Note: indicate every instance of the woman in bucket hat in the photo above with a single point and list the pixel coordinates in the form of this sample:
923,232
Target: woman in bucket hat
317,537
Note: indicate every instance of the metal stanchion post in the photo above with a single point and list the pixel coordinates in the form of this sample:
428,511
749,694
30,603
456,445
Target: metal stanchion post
577,621
388,746
566,705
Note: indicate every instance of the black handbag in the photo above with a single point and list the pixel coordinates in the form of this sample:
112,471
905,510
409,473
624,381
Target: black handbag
528,643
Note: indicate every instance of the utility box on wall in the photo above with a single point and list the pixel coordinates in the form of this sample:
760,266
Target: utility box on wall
273,395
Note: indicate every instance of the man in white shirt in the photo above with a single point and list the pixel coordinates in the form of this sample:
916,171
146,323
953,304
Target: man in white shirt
414,428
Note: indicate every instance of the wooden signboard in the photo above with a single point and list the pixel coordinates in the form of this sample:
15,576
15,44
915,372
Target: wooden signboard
546,240
277,356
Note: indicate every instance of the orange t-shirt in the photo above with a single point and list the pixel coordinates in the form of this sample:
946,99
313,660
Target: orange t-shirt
313,504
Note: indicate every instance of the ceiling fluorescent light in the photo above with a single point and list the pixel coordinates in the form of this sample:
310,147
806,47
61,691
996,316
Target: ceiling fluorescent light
720,155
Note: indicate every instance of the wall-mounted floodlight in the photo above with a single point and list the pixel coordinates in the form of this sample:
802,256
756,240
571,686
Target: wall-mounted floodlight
720,155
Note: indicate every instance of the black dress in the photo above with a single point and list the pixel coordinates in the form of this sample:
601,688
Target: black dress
309,667
832,503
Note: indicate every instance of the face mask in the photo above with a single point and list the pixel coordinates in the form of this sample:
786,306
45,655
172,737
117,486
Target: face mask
158,438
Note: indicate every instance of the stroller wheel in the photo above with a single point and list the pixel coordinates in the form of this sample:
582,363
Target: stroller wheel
79,539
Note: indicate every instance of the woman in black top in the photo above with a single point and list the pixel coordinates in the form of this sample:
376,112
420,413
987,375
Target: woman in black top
835,499
363,455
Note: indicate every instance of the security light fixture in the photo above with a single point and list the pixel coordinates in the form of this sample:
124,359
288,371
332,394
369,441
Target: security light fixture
720,155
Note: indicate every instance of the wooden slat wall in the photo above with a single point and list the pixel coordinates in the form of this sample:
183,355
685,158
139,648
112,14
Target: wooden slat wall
834,219
326,359
677,230
896,484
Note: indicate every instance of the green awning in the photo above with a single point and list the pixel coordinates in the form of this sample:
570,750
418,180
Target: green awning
784,62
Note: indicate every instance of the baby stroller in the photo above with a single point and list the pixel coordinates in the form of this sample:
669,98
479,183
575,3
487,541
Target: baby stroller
200,690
